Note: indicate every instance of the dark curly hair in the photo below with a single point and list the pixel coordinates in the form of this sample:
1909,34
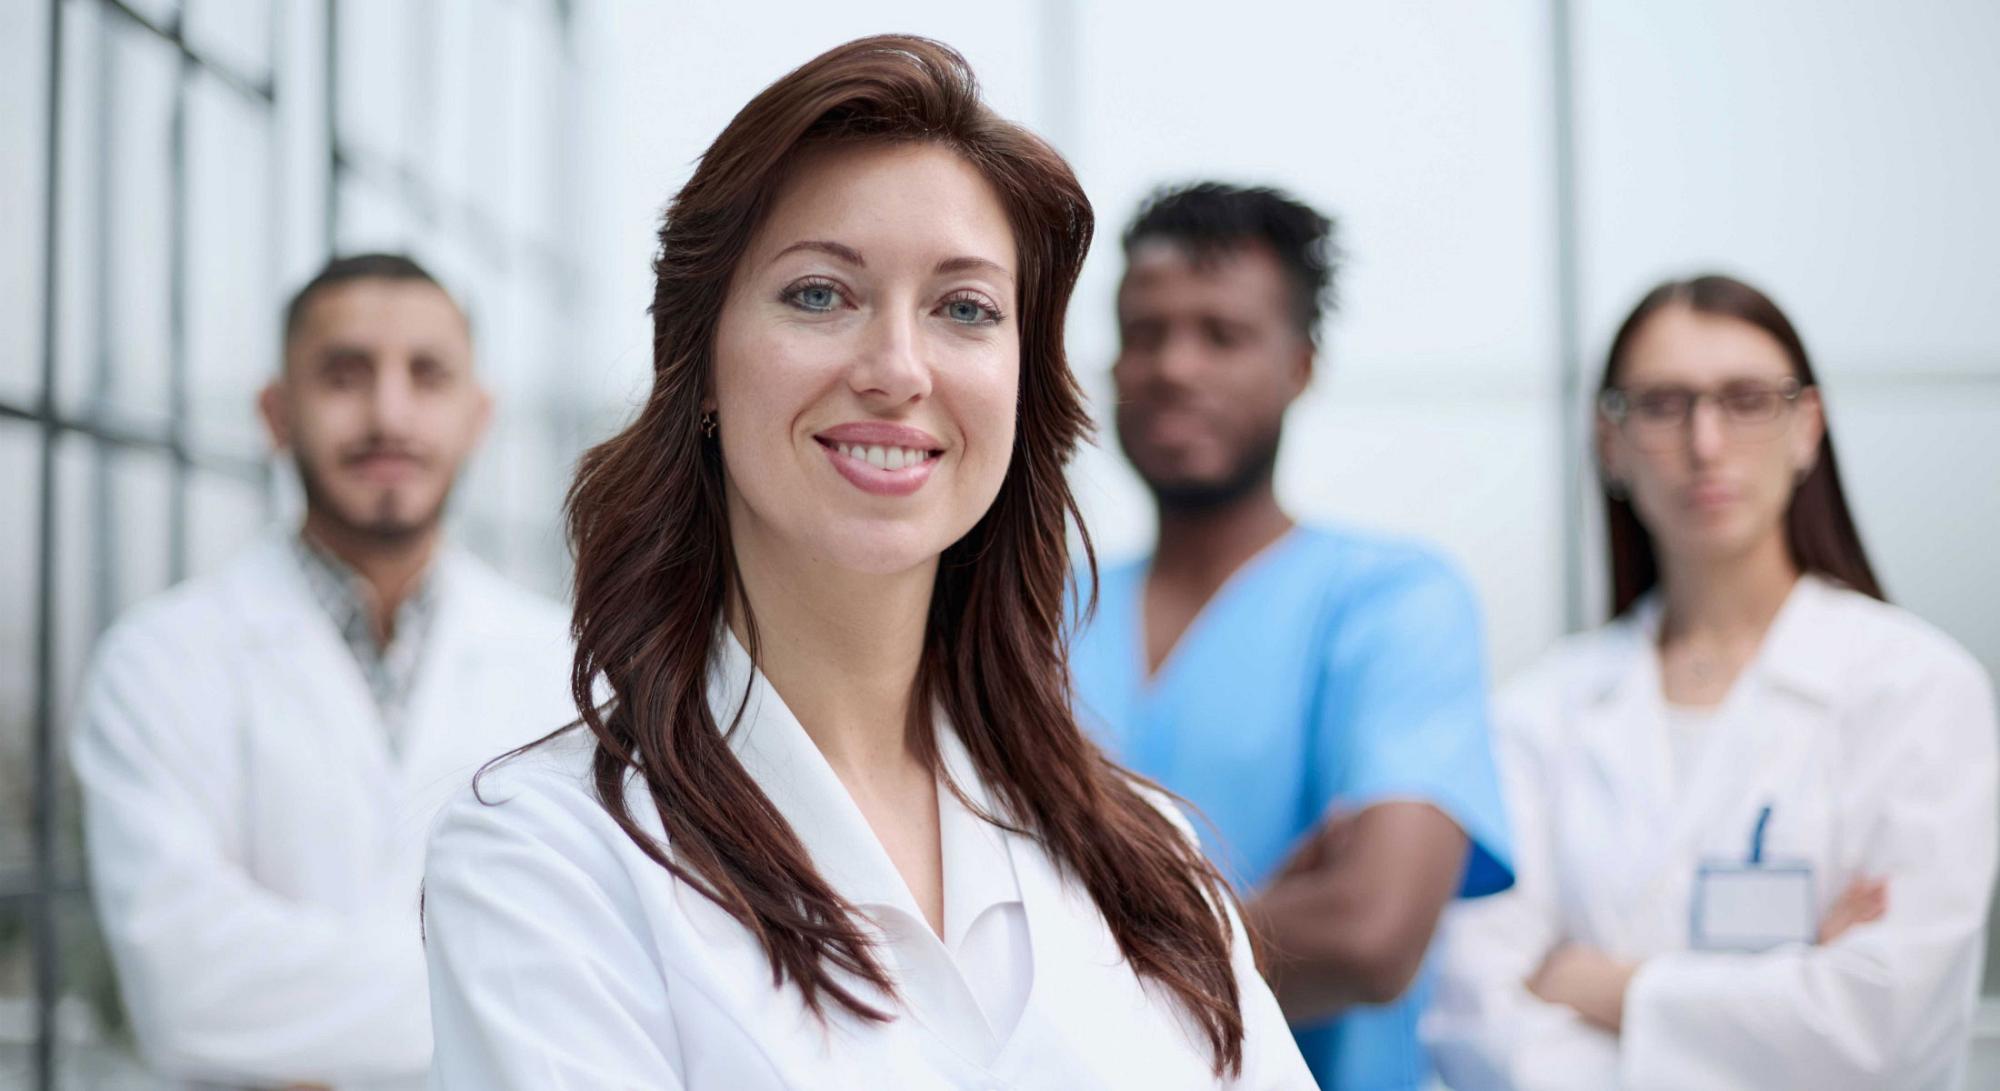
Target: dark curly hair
1208,219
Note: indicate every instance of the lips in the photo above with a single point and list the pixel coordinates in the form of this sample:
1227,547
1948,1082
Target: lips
1708,496
880,458
884,458
384,466
368,455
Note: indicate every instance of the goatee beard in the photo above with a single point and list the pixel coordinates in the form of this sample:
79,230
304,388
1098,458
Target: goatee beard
381,528
1254,472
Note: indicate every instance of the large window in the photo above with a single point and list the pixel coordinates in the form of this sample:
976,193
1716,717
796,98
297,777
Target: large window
204,156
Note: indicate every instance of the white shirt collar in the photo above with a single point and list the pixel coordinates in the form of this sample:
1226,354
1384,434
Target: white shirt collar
978,868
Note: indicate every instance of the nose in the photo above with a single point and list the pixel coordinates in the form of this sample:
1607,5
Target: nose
391,400
889,369
1179,358
1705,435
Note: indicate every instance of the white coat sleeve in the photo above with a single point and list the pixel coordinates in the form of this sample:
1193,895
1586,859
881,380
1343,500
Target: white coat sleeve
541,978
1889,1004
1484,1029
222,978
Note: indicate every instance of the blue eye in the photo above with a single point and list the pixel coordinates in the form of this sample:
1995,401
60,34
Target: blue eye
970,312
818,298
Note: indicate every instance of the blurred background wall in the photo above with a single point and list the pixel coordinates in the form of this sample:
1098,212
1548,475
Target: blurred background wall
206,158
1509,176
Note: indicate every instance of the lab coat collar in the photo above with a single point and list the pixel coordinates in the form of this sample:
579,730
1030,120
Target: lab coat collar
788,766
1794,655
269,591
1627,669
1623,723
284,621
1803,641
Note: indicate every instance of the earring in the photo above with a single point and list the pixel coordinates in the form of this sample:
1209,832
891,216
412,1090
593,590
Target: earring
709,424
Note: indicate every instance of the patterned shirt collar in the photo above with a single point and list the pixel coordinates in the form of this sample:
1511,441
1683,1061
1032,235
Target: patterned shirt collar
349,602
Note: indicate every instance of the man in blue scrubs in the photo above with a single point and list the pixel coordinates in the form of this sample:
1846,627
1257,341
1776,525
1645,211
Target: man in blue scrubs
1318,693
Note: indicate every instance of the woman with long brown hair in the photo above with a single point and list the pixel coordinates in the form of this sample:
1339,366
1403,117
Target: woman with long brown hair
828,821
1755,813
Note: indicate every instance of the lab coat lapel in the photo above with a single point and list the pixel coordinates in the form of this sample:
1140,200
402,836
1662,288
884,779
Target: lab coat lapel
1622,732
786,764
1652,838
1772,713
1804,638
448,673
295,644
459,714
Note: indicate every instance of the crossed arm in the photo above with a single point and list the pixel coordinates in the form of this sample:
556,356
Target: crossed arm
1348,917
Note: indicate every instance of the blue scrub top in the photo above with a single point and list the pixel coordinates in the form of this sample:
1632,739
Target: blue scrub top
1333,669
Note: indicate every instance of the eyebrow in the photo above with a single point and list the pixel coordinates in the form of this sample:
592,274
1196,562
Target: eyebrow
342,350
853,257
964,264
842,251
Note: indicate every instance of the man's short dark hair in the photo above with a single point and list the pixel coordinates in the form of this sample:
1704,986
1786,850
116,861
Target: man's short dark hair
1208,219
342,270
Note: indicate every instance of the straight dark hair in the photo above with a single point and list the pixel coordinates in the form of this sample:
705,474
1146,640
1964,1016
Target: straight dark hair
1819,528
656,571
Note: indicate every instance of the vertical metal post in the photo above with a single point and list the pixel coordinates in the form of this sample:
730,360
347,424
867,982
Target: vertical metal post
1569,320
332,76
104,530
278,163
42,924
1059,53
178,366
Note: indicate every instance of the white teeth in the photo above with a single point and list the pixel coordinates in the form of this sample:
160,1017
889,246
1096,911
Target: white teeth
883,458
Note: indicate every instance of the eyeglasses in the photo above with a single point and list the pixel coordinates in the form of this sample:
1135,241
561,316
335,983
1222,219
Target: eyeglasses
1657,416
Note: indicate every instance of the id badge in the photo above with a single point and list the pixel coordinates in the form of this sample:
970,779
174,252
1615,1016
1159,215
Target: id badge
1741,906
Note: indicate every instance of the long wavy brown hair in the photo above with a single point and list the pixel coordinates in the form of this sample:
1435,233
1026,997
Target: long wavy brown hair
655,572
1819,527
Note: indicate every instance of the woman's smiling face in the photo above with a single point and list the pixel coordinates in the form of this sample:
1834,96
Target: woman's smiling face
867,359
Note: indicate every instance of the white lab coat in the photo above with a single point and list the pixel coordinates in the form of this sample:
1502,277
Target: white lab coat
1871,736
255,844
564,959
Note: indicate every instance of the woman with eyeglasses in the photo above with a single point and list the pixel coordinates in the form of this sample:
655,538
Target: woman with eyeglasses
1756,812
